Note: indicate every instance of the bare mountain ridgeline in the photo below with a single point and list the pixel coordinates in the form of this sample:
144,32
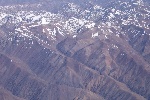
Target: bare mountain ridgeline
78,50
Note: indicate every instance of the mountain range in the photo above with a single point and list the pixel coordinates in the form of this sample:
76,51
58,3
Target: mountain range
74,50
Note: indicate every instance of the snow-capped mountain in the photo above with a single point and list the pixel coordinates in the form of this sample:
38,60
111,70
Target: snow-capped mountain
75,49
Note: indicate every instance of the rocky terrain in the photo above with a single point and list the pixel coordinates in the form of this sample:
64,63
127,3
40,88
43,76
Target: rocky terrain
74,50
